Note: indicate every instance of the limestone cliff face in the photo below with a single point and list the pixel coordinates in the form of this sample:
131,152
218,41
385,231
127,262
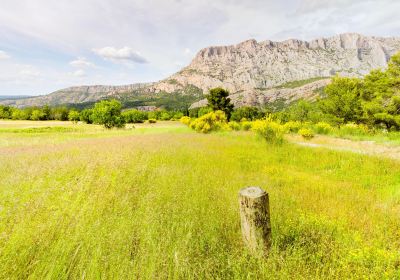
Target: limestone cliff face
252,69
262,65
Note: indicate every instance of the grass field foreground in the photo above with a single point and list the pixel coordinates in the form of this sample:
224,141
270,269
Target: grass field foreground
161,202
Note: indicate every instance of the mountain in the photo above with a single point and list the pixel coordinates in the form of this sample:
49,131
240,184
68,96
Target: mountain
252,71
75,95
8,97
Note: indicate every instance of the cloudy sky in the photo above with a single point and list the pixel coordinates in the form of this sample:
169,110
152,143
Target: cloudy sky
46,45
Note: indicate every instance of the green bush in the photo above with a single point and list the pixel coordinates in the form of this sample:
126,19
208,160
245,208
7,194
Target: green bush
165,116
323,128
37,115
248,113
293,126
86,116
210,122
134,116
73,116
203,111
306,133
177,116
152,120
353,129
271,131
246,125
234,125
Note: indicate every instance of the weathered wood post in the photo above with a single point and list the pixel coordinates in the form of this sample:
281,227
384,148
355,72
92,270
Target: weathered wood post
255,219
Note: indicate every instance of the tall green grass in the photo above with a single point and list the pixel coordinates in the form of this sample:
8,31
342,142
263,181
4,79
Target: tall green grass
164,205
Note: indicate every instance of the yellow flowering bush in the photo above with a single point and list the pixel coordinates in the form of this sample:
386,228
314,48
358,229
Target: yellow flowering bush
271,131
212,121
306,133
323,128
185,120
292,127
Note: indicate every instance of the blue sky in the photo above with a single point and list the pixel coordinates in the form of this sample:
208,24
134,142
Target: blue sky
48,45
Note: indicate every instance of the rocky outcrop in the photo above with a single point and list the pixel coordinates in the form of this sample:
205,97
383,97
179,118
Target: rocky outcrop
257,98
261,65
251,69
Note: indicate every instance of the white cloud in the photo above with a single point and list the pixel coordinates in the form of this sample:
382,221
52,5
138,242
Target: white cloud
4,55
124,54
79,73
47,31
81,62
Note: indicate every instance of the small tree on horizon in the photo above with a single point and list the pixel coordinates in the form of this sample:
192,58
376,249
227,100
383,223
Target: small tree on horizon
218,100
108,113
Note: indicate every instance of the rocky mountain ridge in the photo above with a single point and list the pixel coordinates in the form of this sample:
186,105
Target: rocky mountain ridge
251,69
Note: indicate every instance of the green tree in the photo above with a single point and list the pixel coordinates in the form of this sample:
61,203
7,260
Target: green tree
60,113
248,113
218,100
73,116
343,99
37,115
108,113
86,116
5,112
134,116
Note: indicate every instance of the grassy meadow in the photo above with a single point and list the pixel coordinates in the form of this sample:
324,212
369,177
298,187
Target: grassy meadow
161,202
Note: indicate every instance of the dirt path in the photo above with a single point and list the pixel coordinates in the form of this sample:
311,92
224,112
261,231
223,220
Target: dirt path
362,147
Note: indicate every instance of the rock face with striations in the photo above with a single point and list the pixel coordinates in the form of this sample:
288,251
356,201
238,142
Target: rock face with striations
251,70
263,65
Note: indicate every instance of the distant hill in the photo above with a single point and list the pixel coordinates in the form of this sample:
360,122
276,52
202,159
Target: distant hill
252,71
13,97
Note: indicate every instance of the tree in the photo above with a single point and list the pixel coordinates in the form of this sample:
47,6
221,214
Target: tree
248,113
134,116
218,100
73,116
37,115
86,116
343,99
108,113
5,112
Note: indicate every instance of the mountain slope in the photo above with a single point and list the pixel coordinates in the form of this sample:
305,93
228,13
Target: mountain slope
251,69
75,95
263,65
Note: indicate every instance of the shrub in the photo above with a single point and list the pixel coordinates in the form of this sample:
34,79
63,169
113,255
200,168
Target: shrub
177,116
246,125
86,116
293,126
37,115
234,125
306,133
185,120
165,116
353,129
210,122
152,120
134,116
323,128
73,116
203,111
248,113
271,131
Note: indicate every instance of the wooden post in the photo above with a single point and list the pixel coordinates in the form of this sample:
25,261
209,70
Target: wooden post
255,219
